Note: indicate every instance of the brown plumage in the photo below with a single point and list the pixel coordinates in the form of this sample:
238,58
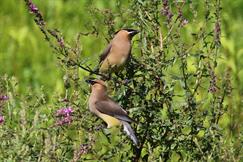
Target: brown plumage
118,51
104,107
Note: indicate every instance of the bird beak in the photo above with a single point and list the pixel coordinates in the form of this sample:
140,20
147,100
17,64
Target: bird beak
134,32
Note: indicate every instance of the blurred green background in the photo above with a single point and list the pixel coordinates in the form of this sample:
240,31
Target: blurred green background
25,55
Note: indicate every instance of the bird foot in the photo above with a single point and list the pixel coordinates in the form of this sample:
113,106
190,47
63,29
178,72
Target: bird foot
97,128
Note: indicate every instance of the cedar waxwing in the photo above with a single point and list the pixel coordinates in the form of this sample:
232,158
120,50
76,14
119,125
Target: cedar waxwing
118,51
104,107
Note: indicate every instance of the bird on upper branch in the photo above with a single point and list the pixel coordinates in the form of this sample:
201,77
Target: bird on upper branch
117,52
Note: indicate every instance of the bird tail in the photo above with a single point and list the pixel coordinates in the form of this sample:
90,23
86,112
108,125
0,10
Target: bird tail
129,131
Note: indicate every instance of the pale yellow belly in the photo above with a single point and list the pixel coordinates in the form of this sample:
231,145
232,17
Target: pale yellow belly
112,63
111,121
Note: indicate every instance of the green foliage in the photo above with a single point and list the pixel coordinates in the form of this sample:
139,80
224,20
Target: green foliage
181,86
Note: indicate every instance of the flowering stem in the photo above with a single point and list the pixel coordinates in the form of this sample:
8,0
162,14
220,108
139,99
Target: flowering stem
39,20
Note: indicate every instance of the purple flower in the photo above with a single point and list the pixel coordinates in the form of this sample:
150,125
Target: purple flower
184,22
32,7
64,116
213,81
166,10
4,98
126,81
65,120
61,42
64,112
217,32
1,119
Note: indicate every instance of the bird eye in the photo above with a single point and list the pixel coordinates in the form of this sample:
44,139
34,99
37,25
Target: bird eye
92,82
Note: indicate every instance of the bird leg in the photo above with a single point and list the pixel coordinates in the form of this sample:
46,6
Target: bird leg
100,127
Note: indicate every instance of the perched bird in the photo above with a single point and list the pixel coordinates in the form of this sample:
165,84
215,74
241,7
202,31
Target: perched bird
117,52
104,107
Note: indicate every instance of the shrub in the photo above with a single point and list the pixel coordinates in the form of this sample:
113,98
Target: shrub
170,86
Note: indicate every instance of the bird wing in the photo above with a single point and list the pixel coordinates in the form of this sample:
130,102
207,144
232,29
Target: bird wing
105,53
111,108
